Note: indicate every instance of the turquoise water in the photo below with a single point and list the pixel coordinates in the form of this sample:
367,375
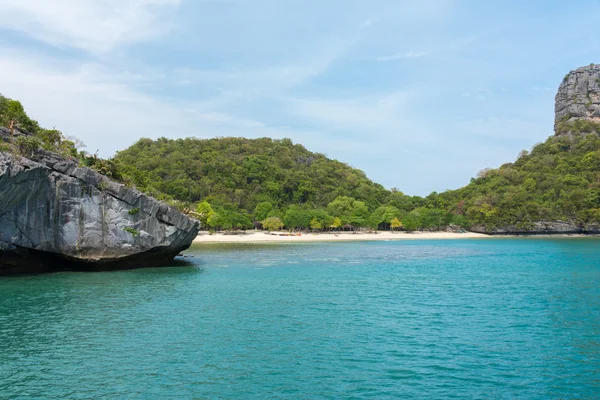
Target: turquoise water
506,318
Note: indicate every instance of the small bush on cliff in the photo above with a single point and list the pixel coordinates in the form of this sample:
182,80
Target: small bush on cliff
27,145
578,126
13,115
12,110
108,168
132,231
5,147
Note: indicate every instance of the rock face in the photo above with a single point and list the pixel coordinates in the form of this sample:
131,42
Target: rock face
541,228
57,215
578,97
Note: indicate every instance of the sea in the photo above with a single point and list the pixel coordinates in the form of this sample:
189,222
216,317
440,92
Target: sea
417,319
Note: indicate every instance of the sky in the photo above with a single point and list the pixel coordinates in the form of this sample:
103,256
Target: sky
419,94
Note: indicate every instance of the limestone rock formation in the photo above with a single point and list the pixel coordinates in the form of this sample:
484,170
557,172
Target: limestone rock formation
55,214
578,99
542,228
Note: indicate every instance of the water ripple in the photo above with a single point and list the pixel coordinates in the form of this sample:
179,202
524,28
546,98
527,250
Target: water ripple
418,319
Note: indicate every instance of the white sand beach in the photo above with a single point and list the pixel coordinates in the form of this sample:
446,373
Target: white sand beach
280,237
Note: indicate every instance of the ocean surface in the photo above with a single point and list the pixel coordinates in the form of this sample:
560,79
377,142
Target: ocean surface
490,319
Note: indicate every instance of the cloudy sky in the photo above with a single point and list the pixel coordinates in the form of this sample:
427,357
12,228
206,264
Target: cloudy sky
420,94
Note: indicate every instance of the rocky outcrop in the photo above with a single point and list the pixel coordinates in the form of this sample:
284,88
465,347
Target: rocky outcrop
541,228
578,98
56,214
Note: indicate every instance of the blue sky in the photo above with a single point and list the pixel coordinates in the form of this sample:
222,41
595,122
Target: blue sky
418,94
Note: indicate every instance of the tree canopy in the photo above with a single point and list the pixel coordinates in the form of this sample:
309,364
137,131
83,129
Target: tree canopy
559,180
245,172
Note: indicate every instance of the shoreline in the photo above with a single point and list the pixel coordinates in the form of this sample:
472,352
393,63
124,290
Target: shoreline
380,236
281,237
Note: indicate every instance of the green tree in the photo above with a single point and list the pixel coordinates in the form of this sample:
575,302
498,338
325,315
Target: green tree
410,222
296,218
316,224
262,210
529,184
349,211
219,220
241,220
336,223
360,214
342,208
321,216
276,213
206,211
395,224
272,224
383,215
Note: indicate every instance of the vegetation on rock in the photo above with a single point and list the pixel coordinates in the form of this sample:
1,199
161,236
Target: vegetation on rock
244,172
577,126
559,180
14,117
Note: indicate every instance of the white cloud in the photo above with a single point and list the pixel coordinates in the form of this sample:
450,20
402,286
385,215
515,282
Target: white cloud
84,102
96,26
269,79
402,56
385,116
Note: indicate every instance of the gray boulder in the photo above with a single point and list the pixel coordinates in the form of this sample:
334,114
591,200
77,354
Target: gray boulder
578,97
55,214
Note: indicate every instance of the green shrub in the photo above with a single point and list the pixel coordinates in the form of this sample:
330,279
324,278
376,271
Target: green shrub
28,145
108,168
578,126
134,211
12,110
132,231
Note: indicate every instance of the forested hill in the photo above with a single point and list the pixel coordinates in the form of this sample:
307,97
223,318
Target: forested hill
554,187
245,172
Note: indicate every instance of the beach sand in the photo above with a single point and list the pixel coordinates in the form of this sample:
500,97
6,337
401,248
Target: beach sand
261,237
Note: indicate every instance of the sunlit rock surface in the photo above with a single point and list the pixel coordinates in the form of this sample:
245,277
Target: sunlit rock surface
55,215
578,97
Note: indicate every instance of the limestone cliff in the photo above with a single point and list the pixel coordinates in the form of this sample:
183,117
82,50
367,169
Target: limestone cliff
578,99
543,228
56,214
